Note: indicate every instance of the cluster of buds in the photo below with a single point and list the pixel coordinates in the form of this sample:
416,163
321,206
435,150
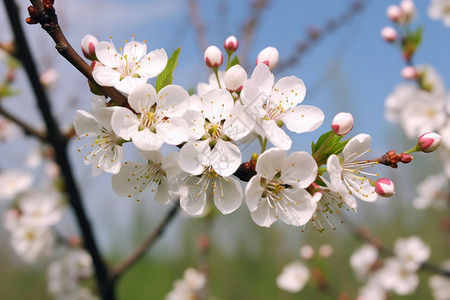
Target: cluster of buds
402,15
40,11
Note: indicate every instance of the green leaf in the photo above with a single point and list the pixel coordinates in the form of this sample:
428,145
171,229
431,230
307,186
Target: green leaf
321,140
166,76
233,62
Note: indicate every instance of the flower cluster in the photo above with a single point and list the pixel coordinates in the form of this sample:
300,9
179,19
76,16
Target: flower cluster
421,105
209,127
397,273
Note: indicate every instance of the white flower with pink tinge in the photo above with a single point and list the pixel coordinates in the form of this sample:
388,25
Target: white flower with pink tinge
274,105
129,68
216,123
277,191
349,169
156,118
134,178
105,152
293,277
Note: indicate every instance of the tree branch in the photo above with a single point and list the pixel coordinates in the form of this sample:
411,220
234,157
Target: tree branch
199,26
59,144
249,28
316,34
139,252
366,237
42,136
46,16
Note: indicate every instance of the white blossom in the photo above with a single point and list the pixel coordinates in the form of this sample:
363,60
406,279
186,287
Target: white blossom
13,182
293,277
411,252
129,68
105,151
274,105
158,118
277,191
440,10
189,287
32,242
432,192
363,259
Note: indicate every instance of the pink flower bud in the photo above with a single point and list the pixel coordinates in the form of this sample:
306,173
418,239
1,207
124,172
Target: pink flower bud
306,252
342,123
325,250
231,44
268,56
385,187
88,44
49,77
428,142
409,73
394,13
389,34
408,10
213,57
235,77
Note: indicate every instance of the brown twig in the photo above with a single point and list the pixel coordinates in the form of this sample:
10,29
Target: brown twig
46,16
59,144
250,27
42,136
199,26
316,34
365,236
139,252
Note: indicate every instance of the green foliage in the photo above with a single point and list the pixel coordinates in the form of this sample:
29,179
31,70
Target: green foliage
412,41
233,62
166,76
328,144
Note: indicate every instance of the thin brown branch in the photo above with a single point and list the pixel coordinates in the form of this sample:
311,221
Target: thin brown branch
199,26
250,27
42,136
46,16
59,143
316,34
142,248
365,236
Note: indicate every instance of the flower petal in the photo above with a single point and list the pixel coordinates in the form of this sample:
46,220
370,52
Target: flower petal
288,92
270,163
154,156
172,101
357,146
147,140
85,124
227,194
253,193
300,169
107,55
264,215
124,122
239,123
173,131
153,63
106,76
162,194
142,98
225,158
299,212
276,135
128,84
193,201
192,156
303,118
217,105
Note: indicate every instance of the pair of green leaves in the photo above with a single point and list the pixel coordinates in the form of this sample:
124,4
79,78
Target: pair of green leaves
328,144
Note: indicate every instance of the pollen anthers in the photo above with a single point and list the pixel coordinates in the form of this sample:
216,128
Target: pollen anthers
145,177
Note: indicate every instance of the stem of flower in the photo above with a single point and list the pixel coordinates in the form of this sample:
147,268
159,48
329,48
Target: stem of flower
263,145
216,72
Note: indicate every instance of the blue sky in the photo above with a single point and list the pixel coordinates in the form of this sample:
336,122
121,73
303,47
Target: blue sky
351,69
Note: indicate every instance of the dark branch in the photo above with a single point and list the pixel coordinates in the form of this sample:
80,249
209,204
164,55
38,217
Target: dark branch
139,252
58,142
316,34
42,136
46,16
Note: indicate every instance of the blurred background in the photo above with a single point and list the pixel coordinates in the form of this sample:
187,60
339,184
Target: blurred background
346,66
